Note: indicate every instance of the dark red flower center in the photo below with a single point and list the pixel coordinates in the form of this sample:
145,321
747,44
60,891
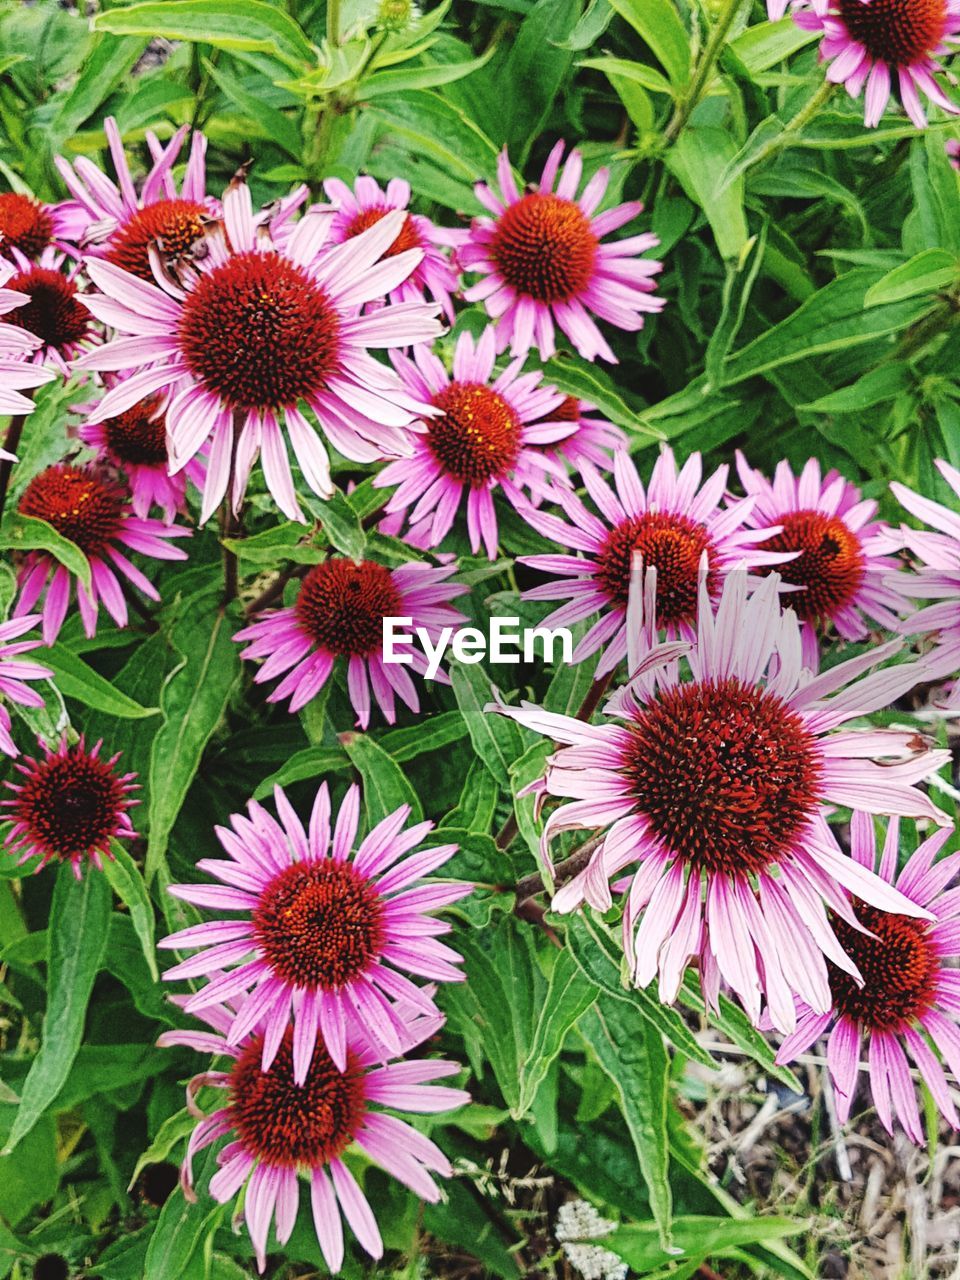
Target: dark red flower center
899,965
80,503
673,545
69,804
478,438
725,773
259,333
898,32
53,312
138,436
407,238
544,247
24,223
829,567
291,1126
342,606
319,924
569,410
173,226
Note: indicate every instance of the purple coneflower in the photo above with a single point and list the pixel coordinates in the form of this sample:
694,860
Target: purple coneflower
254,330
910,996
280,1128
339,613
544,261
717,782
92,510
488,434
69,806
323,927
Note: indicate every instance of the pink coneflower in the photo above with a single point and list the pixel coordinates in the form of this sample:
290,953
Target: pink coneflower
672,524
435,277
53,312
593,439
717,783
939,579
339,613
18,372
29,225
69,806
868,42
256,330
543,260
910,995
280,1128
121,224
85,505
135,442
490,434
15,674
321,929
840,574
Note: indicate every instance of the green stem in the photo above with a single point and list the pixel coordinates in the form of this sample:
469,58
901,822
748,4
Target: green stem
333,21
704,69
796,124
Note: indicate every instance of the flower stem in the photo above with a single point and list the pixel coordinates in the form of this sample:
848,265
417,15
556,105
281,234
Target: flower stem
795,124
701,76
10,443
230,526
596,691
333,21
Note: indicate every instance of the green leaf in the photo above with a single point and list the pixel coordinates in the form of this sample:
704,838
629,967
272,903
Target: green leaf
275,124
832,320
184,1225
597,956
76,942
762,46
928,272
478,859
385,787
496,739
192,703
433,733
734,1023
697,1238
658,24
635,1059
569,995
875,387
434,129
174,1130
624,69
312,762
575,377
698,159
24,533
340,523
286,541
111,61
500,999
425,77
534,70
129,886
256,27
76,679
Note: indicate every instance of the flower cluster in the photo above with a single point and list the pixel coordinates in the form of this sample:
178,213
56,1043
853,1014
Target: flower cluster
715,609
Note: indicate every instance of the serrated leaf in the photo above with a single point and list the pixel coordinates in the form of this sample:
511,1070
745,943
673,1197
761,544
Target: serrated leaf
76,942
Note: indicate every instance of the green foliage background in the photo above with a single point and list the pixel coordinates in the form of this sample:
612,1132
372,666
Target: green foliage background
813,278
